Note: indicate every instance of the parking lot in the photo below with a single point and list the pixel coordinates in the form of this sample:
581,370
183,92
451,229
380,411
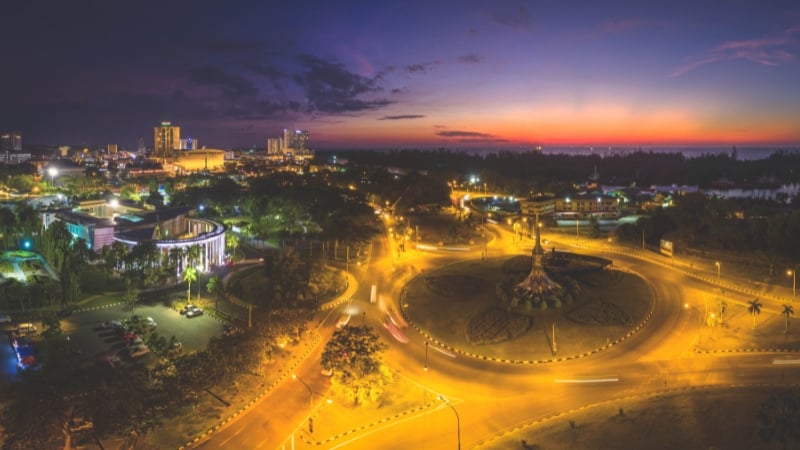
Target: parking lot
86,332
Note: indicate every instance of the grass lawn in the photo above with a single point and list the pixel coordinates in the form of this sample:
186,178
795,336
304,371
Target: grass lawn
724,418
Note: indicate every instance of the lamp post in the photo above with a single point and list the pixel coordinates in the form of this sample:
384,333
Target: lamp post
311,393
426,356
793,274
718,268
52,171
458,419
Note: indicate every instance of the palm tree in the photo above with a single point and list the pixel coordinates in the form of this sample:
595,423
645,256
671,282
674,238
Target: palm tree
787,311
215,287
754,309
188,276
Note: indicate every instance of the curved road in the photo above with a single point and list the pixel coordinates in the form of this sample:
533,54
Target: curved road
486,399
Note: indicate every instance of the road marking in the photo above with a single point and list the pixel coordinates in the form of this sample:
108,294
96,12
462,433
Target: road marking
588,380
785,361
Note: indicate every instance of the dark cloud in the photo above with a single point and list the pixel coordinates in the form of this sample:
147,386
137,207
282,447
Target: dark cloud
231,84
331,88
471,58
470,136
403,117
518,18
421,67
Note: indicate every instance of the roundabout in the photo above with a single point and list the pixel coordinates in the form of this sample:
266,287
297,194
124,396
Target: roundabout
464,307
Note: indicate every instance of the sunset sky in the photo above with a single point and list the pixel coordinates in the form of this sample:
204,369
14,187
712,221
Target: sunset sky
455,74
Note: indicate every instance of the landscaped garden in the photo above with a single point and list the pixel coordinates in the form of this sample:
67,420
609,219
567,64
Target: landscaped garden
467,306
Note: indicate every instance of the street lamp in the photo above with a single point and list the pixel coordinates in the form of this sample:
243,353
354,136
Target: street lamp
458,419
311,393
793,273
426,356
718,267
52,171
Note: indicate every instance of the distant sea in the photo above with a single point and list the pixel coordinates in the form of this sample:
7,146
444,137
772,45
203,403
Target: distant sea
690,152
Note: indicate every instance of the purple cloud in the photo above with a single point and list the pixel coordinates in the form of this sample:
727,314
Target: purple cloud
772,51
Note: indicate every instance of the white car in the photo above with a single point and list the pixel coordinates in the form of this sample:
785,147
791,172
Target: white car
5,318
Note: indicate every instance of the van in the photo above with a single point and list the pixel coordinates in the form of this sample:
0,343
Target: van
26,328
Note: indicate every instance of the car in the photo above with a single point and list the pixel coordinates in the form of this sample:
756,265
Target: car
344,319
130,337
5,318
187,308
20,341
327,372
141,321
112,324
232,330
138,350
175,349
194,312
26,328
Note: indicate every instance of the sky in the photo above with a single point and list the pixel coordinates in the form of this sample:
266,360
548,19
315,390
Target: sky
403,74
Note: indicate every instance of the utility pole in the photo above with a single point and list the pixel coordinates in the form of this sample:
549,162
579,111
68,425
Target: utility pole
555,346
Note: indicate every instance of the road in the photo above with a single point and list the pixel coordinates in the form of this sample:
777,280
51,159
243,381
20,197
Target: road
483,400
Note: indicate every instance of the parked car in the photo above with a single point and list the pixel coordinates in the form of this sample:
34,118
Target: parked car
194,312
186,309
138,350
26,328
232,330
112,324
5,318
130,337
175,349
141,321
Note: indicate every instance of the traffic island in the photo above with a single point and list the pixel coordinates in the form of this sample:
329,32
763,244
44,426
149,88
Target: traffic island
470,308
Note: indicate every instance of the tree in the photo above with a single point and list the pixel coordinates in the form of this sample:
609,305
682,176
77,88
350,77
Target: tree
354,356
216,288
780,418
354,351
189,275
788,310
232,242
131,294
754,309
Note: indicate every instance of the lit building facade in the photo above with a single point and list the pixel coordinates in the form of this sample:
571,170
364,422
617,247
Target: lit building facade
295,142
166,139
11,142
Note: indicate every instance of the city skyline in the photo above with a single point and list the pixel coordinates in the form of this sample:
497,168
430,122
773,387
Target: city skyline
423,75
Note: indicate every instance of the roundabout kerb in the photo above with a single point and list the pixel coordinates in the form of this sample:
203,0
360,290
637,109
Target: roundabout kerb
409,307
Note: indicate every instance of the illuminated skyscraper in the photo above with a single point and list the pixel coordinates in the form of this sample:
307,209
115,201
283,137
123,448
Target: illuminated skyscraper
295,142
166,139
275,146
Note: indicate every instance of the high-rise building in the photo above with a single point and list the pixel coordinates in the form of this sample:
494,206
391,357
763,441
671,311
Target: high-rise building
141,149
11,142
188,144
166,139
112,149
275,146
295,141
